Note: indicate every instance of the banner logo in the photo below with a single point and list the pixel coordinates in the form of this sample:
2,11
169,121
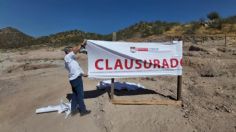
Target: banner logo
150,50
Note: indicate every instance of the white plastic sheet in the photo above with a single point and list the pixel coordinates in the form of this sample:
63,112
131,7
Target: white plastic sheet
62,107
119,85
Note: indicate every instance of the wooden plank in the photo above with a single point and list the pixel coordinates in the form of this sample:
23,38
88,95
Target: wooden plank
146,102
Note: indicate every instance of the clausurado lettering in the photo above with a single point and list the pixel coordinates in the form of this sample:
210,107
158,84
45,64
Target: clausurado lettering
127,64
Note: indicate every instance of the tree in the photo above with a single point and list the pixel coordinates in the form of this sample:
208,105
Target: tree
213,16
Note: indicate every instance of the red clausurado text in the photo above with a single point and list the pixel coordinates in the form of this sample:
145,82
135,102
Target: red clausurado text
127,64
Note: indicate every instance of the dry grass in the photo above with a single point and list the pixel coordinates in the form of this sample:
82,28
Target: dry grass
211,69
28,66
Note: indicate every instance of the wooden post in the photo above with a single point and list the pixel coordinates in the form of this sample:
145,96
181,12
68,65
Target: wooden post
179,87
202,39
112,88
114,36
113,80
225,40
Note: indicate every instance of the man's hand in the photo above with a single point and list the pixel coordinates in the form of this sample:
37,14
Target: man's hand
85,75
84,42
77,48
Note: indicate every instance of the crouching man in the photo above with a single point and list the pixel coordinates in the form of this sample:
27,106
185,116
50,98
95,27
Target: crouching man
75,77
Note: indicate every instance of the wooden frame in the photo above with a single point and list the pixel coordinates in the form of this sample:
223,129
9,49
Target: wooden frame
177,102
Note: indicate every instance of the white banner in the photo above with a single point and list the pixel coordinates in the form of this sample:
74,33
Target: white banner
108,59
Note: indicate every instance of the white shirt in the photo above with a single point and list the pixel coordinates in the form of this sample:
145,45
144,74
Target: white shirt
72,66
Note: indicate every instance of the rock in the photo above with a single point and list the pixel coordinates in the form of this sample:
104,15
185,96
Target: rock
223,108
196,48
185,115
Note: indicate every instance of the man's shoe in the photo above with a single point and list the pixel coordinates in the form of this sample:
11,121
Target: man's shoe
73,113
85,112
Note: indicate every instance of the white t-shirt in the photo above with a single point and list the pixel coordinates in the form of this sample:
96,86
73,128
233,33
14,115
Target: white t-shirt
72,66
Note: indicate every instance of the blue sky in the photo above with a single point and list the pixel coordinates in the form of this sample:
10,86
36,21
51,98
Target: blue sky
44,17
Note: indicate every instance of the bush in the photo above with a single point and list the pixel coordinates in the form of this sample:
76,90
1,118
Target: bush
213,16
216,24
211,69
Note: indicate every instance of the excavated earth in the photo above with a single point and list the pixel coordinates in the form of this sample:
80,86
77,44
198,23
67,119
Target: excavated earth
35,78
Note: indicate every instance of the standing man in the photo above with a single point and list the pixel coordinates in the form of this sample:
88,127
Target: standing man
75,77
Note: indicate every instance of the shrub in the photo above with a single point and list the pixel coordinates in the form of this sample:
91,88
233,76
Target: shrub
213,16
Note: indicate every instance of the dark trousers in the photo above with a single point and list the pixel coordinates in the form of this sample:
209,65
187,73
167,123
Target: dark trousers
78,94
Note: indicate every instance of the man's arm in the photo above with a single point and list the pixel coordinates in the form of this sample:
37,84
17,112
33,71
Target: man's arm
77,48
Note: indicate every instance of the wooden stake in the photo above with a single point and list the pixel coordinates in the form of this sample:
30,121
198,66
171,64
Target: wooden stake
113,80
225,40
179,87
114,36
112,88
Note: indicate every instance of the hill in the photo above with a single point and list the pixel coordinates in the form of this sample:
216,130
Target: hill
13,38
67,38
145,29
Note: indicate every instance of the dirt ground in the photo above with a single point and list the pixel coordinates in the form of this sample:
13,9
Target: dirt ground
37,78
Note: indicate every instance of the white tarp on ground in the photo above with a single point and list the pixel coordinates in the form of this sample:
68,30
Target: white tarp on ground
107,59
62,107
66,107
119,85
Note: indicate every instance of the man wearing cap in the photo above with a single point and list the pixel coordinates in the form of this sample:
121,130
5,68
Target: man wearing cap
75,77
